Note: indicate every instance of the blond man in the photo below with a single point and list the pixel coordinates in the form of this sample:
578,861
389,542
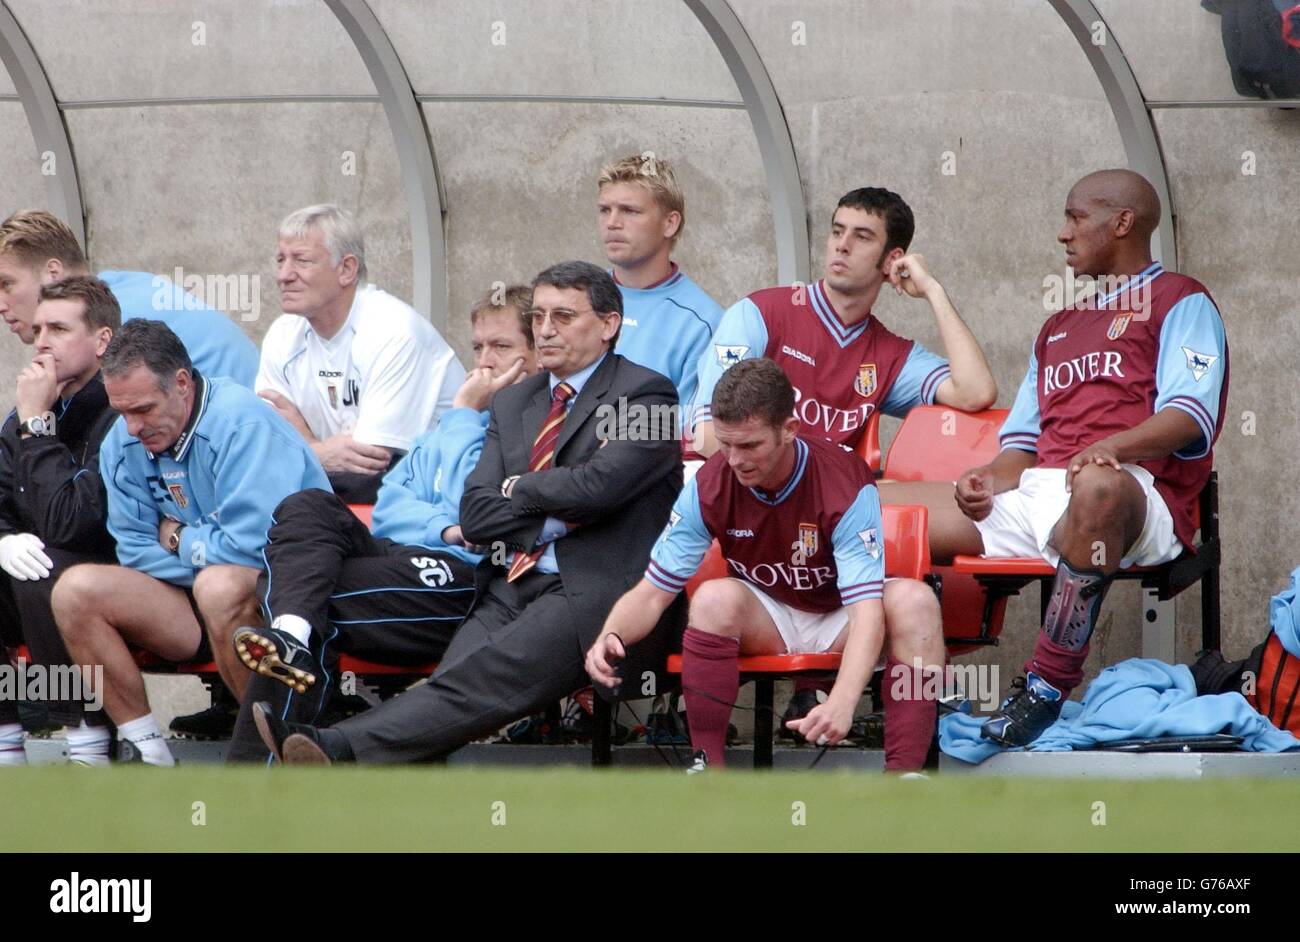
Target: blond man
668,320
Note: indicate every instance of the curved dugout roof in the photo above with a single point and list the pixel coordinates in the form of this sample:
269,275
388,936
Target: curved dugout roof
408,64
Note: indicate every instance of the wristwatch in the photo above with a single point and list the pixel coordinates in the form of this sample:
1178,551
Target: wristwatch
174,540
37,425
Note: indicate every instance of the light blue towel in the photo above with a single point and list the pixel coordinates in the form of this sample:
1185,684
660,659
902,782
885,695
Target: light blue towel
1139,698
1284,615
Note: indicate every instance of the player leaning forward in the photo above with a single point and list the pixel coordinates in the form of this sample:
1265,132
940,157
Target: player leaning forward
192,471
798,520
1107,446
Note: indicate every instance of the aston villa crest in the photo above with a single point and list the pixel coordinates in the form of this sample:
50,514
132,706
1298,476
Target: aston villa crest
865,384
808,539
1118,326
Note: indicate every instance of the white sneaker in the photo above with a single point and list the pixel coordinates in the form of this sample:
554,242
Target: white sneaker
699,763
913,777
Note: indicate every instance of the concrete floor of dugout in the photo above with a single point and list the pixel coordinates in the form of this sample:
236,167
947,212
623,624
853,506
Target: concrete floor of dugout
171,696
1071,765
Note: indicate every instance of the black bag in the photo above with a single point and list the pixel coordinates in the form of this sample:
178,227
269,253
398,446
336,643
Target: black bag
1261,39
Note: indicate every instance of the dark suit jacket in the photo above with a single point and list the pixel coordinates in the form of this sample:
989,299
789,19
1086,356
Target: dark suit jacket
620,493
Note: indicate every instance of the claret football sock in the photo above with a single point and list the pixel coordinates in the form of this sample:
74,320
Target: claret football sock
910,715
710,682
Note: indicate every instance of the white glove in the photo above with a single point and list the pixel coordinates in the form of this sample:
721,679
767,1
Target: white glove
21,556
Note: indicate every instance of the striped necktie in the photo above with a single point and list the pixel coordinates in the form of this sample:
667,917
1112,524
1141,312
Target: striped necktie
543,457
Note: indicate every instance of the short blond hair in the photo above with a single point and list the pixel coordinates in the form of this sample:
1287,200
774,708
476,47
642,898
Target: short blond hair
653,173
35,236
518,297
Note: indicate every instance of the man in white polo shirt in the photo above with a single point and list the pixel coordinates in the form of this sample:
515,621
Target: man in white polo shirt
359,373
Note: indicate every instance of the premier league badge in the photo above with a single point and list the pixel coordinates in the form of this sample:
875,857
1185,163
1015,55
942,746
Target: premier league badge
1199,363
870,541
1118,326
730,354
865,384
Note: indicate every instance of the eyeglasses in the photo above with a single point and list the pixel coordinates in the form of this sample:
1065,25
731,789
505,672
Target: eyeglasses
560,317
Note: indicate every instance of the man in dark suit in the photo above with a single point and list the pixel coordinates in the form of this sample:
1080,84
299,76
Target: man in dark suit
576,480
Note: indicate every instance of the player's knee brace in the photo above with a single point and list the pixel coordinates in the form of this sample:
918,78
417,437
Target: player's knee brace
1074,606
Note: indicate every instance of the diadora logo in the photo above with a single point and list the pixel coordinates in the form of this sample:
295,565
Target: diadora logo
798,355
739,534
1052,338
433,572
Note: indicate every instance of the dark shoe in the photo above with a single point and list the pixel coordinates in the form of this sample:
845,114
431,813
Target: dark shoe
699,763
216,722
298,743
577,722
800,705
532,730
1033,706
128,753
868,731
278,654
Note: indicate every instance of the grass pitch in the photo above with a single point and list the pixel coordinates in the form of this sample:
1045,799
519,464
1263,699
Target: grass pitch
198,808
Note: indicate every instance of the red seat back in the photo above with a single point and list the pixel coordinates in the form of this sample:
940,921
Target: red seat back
869,444
938,443
907,540
363,512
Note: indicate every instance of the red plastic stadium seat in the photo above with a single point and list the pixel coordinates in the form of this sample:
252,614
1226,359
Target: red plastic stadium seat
145,660
362,667
869,444
938,443
363,512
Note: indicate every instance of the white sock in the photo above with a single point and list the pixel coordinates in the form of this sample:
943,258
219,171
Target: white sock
11,744
294,625
88,745
144,734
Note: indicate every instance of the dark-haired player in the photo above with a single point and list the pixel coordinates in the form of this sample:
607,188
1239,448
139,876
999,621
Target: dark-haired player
798,520
845,365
